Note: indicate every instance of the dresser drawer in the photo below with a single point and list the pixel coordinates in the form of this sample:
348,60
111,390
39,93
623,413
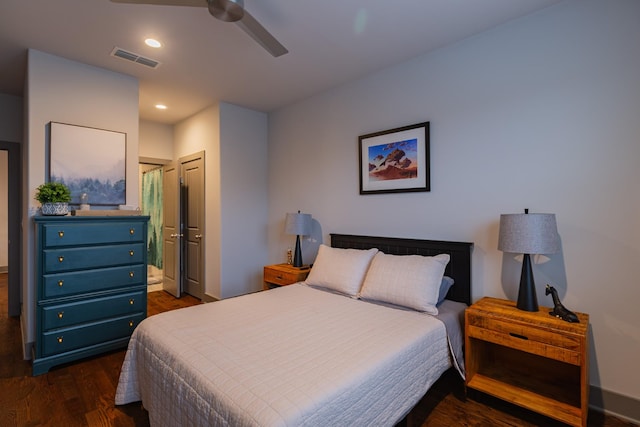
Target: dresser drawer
89,334
279,277
284,275
64,315
92,257
80,282
61,234
524,337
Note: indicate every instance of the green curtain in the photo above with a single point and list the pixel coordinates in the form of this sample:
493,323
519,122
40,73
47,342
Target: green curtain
152,206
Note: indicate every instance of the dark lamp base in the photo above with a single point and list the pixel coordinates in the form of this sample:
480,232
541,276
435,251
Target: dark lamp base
527,300
297,257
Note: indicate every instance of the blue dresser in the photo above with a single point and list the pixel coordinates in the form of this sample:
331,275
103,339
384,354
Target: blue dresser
91,285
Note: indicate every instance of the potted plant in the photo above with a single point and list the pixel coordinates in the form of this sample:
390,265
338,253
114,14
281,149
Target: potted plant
54,198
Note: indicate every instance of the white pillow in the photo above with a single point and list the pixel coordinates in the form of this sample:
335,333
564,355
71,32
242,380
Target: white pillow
341,270
411,281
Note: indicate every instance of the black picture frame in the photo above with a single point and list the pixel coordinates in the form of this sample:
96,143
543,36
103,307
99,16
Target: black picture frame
395,160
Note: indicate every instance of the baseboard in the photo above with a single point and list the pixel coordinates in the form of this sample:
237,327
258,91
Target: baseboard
27,347
616,404
4,268
209,298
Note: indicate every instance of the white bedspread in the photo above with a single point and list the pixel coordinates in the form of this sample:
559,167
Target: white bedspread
291,356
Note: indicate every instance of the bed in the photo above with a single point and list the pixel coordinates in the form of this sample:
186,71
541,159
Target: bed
310,353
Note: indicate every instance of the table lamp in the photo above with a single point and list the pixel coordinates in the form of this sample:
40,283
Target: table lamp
528,234
300,225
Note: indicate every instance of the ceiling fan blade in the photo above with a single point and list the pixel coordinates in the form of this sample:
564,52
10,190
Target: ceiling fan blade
230,11
197,3
257,32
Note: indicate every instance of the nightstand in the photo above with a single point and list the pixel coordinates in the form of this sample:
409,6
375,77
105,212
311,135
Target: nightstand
283,274
530,359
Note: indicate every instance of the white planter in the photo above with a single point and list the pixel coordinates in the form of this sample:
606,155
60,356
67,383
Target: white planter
57,208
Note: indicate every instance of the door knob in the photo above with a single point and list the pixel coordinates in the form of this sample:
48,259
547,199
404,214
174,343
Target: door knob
198,236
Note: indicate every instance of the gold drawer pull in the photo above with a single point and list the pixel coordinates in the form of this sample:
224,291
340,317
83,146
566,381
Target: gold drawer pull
60,258
60,283
60,314
60,233
60,340
131,253
131,323
132,231
132,301
131,274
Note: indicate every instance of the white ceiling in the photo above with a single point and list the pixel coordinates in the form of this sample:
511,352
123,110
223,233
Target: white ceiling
205,60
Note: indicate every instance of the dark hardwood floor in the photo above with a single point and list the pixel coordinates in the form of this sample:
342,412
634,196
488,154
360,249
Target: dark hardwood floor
82,393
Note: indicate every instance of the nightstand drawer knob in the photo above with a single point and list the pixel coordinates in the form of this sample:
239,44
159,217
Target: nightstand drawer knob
131,253
131,323
279,277
59,340
60,233
132,231
131,274
522,337
60,283
132,301
60,258
60,314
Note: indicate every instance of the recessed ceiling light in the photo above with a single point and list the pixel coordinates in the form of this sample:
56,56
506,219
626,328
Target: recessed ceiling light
161,106
153,43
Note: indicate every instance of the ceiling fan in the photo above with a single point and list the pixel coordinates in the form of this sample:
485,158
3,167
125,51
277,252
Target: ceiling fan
228,11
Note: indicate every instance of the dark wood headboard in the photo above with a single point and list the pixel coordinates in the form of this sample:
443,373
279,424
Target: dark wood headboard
459,267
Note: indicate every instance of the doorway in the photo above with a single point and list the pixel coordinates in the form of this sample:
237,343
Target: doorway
151,205
183,226
10,229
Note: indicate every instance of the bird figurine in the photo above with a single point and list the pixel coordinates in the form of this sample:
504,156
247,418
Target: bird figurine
560,310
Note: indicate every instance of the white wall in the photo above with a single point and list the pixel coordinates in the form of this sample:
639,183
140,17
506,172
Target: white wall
201,132
11,131
540,113
235,143
70,92
155,140
11,123
244,199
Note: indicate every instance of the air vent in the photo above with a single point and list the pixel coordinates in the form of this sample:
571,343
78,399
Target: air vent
134,57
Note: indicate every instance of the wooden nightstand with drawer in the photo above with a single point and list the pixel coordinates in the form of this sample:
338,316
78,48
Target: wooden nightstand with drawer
283,274
530,359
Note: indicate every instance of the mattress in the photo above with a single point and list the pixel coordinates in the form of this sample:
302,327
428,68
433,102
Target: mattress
294,355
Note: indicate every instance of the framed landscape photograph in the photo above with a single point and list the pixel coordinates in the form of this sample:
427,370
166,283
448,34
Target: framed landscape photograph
395,160
90,161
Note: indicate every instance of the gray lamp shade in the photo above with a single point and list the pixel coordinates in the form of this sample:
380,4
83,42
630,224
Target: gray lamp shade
528,233
298,224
